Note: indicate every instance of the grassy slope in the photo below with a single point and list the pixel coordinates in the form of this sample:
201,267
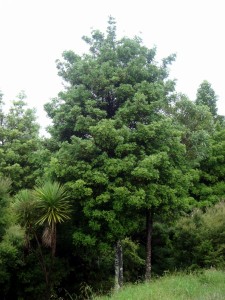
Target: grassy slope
208,285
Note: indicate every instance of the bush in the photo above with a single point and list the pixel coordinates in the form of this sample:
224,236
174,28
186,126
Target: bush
199,239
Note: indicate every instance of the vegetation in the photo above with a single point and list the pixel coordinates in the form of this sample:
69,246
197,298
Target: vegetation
20,145
205,285
129,184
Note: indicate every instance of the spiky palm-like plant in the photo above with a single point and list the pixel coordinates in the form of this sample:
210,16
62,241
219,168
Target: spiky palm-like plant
25,207
54,207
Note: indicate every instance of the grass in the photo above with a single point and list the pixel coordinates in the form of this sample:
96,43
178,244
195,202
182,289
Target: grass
205,285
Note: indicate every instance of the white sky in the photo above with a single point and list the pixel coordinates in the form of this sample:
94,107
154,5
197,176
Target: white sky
34,33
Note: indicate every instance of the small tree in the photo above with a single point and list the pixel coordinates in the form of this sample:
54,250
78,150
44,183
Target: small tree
54,207
46,205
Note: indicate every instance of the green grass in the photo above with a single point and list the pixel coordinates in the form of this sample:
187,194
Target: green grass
207,285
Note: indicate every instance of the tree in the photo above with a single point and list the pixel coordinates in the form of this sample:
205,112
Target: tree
197,126
210,186
54,207
18,144
120,154
25,207
207,96
48,205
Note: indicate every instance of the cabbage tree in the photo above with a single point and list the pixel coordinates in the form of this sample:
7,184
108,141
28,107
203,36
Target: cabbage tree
54,207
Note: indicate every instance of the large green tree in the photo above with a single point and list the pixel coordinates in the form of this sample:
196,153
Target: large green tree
121,154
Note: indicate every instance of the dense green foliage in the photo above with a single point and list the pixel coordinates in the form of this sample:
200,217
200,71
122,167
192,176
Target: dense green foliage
19,144
199,239
207,96
128,163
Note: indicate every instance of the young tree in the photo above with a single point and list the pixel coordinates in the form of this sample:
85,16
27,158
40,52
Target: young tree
54,208
47,205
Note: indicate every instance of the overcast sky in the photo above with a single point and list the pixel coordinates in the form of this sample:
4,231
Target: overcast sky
34,33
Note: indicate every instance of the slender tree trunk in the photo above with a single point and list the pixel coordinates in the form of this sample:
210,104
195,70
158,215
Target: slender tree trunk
118,265
53,251
149,223
44,268
53,239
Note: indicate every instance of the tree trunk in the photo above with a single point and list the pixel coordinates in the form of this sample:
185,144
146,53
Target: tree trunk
53,239
149,223
44,268
118,265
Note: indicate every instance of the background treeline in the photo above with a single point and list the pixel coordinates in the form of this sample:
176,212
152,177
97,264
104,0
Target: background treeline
129,184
